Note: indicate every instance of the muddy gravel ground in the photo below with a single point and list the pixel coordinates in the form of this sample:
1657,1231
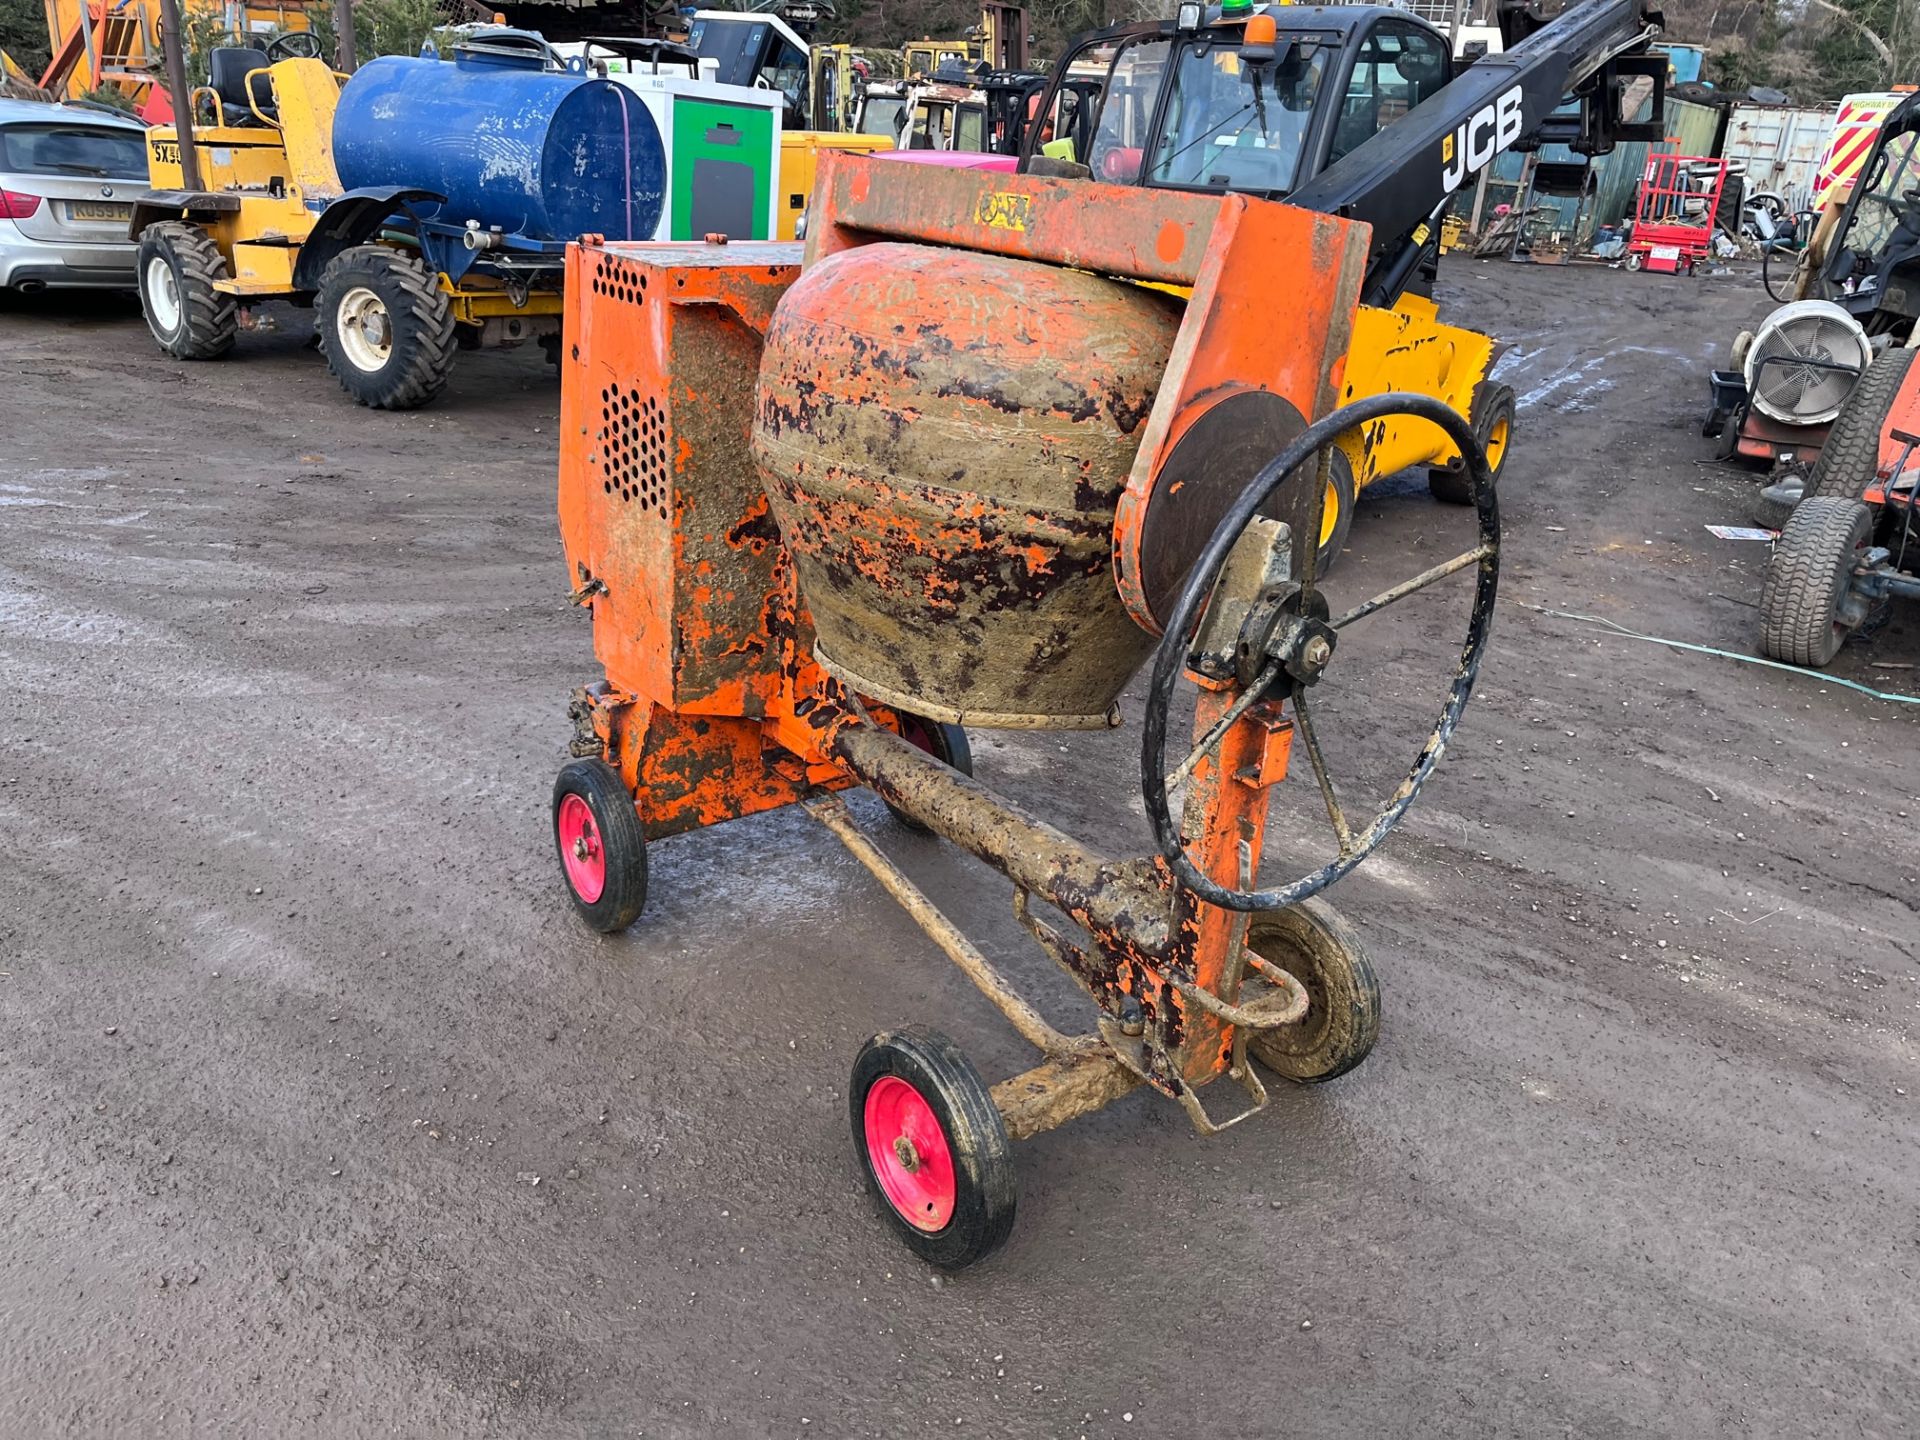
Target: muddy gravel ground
321,1113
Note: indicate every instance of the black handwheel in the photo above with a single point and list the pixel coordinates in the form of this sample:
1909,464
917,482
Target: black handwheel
1289,638
1491,416
601,845
932,1146
1313,944
1805,616
385,328
294,45
179,264
946,743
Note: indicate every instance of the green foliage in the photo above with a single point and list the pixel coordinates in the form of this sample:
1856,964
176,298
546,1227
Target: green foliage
110,95
389,27
23,34
1815,50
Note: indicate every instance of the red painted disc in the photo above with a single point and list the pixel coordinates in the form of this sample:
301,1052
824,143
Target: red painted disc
581,850
909,1154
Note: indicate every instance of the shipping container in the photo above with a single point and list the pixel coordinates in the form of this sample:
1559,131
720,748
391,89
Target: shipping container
1780,148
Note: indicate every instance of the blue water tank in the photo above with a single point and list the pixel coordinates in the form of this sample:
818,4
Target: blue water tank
539,154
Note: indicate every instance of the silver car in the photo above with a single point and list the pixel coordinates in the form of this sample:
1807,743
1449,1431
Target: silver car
68,178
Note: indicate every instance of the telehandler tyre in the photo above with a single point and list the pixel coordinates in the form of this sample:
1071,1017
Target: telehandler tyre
385,328
1492,421
179,264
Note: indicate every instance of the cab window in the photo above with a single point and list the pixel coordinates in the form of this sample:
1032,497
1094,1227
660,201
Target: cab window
786,71
1888,193
1126,112
1228,124
1397,68
1068,121
970,128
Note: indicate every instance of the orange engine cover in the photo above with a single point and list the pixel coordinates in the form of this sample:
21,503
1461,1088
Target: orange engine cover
943,436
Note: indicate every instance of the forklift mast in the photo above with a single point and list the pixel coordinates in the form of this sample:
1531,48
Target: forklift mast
1289,103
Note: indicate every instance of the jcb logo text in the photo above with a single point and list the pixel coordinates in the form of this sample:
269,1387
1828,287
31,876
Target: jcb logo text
1491,129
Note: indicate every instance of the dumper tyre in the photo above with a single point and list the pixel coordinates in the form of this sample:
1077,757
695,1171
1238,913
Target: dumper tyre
946,743
1312,943
1807,580
179,264
933,1146
1850,459
1492,417
601,845
385,328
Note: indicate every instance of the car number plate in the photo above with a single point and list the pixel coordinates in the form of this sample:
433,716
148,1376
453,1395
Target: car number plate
98,210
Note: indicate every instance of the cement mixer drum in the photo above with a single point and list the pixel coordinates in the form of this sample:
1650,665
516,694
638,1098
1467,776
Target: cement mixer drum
943,436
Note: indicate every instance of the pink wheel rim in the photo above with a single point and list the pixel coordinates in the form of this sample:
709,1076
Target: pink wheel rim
909,1154
580,848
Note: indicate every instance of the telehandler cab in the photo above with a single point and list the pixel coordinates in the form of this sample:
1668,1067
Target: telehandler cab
1278,102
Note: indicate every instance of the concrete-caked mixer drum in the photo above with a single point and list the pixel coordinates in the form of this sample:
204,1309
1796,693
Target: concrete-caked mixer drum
943,437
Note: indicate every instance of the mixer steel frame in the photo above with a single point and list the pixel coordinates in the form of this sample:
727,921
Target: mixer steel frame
714,706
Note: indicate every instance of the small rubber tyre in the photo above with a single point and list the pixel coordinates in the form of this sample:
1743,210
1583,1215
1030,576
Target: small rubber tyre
1773,503
385,328
1807,580
600,844
932,1146
946,743
1742,346
1634,262
1336,512
179,264
1850,459
1492,416
1312,943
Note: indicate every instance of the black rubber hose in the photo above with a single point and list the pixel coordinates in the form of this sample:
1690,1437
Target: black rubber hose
1169,660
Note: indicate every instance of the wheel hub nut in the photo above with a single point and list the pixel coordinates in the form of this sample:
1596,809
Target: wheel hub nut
904,1152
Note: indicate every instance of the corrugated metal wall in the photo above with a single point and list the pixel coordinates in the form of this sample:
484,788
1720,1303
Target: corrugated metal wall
1781,147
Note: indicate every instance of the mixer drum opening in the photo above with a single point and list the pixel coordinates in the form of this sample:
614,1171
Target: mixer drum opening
943,437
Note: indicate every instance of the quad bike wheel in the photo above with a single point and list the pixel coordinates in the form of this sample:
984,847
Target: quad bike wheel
932,1146
385,328
1850,459
179,264
1804,616
1312,943
1492,420
946,743
601,845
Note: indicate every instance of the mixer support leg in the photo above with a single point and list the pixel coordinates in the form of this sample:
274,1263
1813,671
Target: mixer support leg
831,811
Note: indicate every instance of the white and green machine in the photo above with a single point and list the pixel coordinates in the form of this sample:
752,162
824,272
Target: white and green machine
722,141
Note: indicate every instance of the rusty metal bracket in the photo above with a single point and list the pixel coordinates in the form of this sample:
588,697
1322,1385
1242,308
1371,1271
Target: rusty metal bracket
1286,1005
1136,1053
